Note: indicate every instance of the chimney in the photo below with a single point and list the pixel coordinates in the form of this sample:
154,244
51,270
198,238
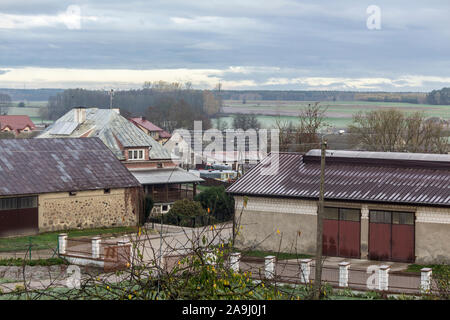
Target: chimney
80,114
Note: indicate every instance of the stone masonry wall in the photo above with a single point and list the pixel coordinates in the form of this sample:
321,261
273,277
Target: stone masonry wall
86,209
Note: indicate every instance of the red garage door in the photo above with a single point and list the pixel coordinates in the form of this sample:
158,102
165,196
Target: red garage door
341,232
391,236
18,216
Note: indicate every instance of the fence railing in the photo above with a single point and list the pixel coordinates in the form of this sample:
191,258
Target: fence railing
85,251
342,275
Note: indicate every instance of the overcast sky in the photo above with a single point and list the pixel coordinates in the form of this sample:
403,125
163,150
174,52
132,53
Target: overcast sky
244,44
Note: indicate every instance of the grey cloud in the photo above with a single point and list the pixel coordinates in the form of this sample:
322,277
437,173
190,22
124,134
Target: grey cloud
301,38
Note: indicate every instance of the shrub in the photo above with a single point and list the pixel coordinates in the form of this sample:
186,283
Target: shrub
186,213
220,204
148,206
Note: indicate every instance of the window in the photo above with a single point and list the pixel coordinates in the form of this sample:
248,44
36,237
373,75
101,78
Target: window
107,190
8,204
27,202
349,214
394,217
159,165
344,214
331,213
18,203
379,216
403,218
72,193
136,154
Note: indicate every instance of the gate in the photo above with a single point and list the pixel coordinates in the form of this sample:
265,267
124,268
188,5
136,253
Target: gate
18,216
391,236
341,232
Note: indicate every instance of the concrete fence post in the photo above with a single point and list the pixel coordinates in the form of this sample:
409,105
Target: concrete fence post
383,277
305,270
425,279
343,273
269,267
95,241
235,258
62,243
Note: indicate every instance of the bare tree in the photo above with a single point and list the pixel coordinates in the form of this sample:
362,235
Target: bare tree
396,131
286,134
5,102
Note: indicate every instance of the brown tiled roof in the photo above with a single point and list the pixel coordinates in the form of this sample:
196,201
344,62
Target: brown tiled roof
34,166
164,134
14,122
146,124
385,180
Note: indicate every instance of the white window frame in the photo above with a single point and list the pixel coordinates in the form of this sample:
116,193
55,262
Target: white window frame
136,154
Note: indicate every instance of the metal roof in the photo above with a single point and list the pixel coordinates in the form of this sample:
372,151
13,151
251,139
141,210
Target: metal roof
63,128
110,127
163,176
35,166
346,181
381,155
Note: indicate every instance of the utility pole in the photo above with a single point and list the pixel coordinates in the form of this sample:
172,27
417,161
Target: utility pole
319,240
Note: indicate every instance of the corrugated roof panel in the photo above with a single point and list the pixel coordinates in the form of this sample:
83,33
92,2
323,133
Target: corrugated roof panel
296,178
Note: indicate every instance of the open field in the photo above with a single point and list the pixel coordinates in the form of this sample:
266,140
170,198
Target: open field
339,113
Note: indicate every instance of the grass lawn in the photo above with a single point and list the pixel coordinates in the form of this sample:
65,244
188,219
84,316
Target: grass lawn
279,255
339,113
49,240
38,262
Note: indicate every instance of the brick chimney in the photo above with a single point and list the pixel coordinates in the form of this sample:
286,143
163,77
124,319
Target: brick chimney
80,114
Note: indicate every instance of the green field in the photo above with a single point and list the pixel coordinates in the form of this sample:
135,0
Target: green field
339,113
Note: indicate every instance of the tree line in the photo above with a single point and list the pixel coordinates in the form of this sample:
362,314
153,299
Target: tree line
169,105
387,130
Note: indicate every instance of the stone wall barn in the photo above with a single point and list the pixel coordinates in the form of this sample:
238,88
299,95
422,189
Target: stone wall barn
60,184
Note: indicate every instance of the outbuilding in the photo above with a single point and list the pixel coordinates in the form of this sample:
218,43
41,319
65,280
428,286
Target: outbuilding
378,205
59,184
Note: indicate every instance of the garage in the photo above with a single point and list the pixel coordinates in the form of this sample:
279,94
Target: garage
391,236
341,232
18,216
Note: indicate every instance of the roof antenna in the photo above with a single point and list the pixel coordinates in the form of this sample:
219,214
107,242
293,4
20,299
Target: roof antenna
111,94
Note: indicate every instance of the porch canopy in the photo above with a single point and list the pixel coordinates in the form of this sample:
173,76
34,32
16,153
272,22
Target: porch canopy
165,176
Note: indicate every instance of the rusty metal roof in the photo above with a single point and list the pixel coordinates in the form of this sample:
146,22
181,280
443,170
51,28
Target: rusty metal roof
35,166
349,181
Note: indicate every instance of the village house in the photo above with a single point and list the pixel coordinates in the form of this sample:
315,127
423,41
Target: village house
151,129
59,184
16,124
195,155
378,205
154,167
